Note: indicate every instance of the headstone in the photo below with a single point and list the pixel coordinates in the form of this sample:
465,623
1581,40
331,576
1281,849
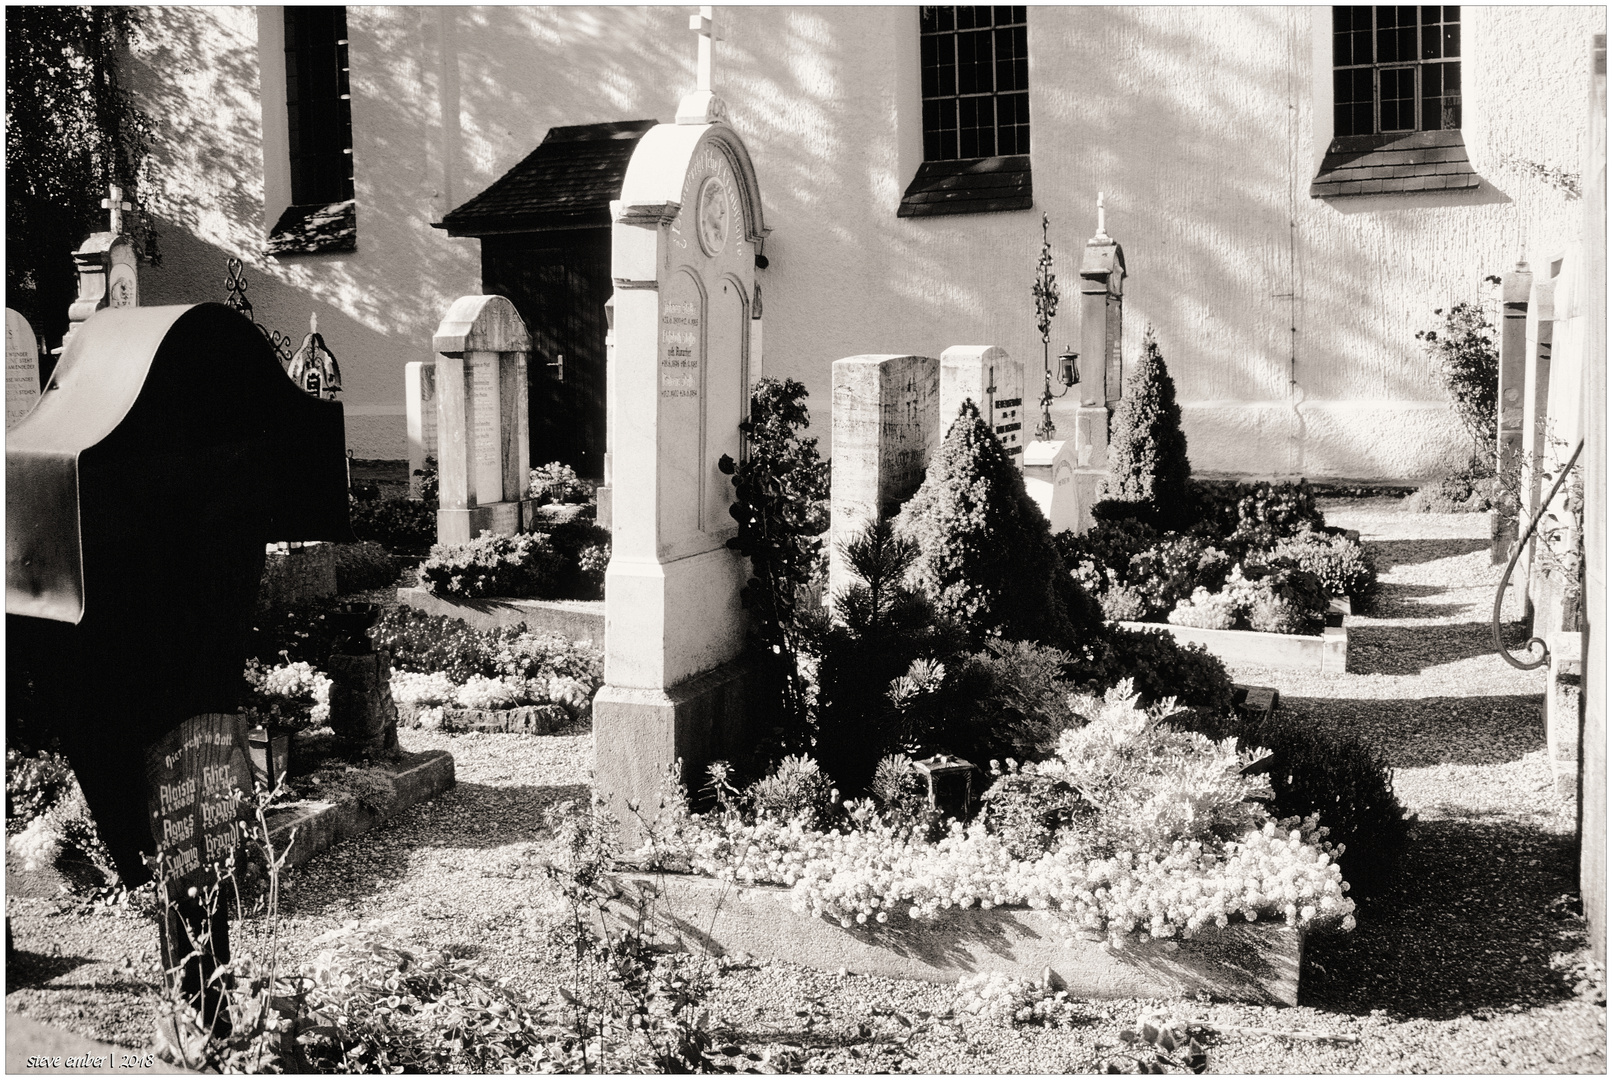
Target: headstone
199,777
22,368
684,242
994,381
482,462
140,494
1102,339
420,411
1515,286
1055,479
108,271
1539,331
885,426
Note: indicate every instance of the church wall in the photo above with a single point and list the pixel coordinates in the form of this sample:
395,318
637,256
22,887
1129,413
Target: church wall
1203,127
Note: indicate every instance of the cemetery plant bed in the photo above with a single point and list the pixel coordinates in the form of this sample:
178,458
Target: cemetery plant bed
524,719
1326,652
308,826
578,620
1257,963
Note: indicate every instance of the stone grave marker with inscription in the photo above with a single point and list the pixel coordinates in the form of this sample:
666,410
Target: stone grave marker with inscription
686,234
483,450
885,425
22,367
994,381
420,410
169,449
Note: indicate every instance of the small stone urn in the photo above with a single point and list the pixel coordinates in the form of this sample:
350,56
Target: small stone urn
362,713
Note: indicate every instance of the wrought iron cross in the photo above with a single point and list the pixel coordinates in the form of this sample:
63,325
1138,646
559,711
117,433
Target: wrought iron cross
705,25
116,205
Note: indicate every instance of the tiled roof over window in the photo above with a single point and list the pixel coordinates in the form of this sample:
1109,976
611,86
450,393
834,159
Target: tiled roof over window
567,182
1387,164
969,187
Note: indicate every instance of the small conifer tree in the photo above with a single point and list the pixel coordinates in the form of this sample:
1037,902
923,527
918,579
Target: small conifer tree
985,555
1147,452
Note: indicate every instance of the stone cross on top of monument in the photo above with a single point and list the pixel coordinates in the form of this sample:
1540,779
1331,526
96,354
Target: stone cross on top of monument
116,204
1102,225
703,106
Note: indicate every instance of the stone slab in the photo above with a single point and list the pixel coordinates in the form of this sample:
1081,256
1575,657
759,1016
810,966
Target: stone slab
35,1049
576,620
1257,962
522,719
1563,691
1326,652
310,828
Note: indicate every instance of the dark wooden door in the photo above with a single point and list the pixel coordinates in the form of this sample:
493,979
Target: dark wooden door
559,281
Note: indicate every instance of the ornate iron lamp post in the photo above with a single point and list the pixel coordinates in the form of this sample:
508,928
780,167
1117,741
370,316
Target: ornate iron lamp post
1045,291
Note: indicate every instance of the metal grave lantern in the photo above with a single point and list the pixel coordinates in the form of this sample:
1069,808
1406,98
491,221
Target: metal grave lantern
951,783
314,366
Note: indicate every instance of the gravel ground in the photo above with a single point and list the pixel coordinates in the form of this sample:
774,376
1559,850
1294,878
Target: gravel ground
1468,966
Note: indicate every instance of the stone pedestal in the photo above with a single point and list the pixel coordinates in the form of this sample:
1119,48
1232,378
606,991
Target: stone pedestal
1102,320
482,421
885,425
1514,289
362,713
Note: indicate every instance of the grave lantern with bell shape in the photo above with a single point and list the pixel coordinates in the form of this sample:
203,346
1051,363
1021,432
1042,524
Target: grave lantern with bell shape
314,366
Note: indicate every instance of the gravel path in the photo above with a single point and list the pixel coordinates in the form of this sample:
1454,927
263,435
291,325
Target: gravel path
1450,972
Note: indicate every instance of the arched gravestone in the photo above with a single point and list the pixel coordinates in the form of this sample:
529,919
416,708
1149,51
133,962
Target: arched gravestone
140,492
685,238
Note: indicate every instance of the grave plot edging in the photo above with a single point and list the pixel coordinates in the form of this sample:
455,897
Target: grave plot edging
578,620
1326,652
313,829
1251,962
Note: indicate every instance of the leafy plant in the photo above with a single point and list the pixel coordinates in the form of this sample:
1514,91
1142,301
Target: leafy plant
1147,451
986,560
1159,1047
556,482
584,552
1159,666
426,643
780,503
1028,810
429,482
1343,566
796,789
494,565
1469,361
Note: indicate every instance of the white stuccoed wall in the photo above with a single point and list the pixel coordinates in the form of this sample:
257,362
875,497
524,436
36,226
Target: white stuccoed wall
1203,127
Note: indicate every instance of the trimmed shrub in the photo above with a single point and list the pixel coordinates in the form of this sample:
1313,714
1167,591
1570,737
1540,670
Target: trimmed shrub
1109,544
1335,775
494,565
583,548
364,565
1011,699
1147,452
1159,666
1343,566
985,559
402,522
1168,572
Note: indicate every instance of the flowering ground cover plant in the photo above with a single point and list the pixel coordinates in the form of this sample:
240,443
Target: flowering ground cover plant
1166,835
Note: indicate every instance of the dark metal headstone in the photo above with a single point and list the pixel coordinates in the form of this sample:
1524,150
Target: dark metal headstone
140,492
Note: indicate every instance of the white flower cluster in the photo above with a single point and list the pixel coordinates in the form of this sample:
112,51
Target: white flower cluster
299,682
862,875
1013,999
37,845
414,688
503,692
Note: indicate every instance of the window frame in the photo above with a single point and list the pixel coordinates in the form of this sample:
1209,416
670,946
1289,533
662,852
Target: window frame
322,215
1411,53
